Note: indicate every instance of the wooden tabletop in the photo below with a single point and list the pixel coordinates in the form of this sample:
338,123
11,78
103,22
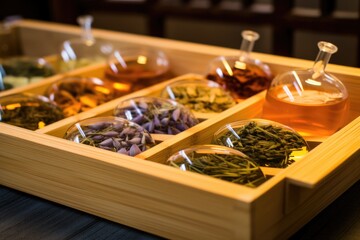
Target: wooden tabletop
24,216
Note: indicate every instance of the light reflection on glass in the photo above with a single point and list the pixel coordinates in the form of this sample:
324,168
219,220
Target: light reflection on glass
288,93
313,82
141,59
227,66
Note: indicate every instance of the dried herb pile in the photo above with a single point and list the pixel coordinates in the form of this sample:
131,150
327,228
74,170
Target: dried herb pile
242,82
29,112
157,115
229,167
119,136
22,71
200,97
76,94
267,145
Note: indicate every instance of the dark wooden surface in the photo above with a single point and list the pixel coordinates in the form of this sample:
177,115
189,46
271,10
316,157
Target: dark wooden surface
23,216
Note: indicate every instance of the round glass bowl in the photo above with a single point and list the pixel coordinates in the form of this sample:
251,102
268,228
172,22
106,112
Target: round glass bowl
20,71
242,77
311,101
268,143
77,94
77,53
220,162
29,111
112,134
137,67
200,95
157,115
84,50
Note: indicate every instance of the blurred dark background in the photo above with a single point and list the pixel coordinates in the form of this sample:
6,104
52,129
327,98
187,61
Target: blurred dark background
287,27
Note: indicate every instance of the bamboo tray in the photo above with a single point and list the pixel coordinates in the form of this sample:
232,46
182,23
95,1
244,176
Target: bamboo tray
144,193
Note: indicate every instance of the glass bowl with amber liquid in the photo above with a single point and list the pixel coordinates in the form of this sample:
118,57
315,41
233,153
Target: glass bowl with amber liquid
313,102
138,67
242,75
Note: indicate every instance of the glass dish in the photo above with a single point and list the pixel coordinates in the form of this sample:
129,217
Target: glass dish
268,143
200,95
29,111
219,162
312,101
20,71
112,134
84,51
77,94
241,75
138,67
157,115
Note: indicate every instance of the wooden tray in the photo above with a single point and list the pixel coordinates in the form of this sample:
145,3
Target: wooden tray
144,193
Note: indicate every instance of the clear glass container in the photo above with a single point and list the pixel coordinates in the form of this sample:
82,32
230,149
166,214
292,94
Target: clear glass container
219,162
200,95
157,115
112,134
29,111
242,75
20,71
78,94
138,67
84,51
268,143
312,101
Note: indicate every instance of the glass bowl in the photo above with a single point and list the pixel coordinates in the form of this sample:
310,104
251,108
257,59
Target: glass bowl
268,143
77,94
84,50
241,75
112,134
138,67
20,71
311,101
29,111
200,95
220,162
157,115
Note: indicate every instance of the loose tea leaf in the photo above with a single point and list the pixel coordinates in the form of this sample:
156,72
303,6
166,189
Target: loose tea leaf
200,97
22,71
28,112
228,167
116,135
243,81
77,94
268,145
157,115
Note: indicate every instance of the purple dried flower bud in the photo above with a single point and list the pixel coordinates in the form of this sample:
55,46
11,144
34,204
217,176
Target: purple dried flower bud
164,121
123,151
107,142
111,134
156,121
98,126
134,150
176,114
138,119
116,144
135,140
174,130
118,126
97,137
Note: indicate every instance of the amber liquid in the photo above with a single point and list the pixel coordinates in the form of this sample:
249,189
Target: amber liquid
318,114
